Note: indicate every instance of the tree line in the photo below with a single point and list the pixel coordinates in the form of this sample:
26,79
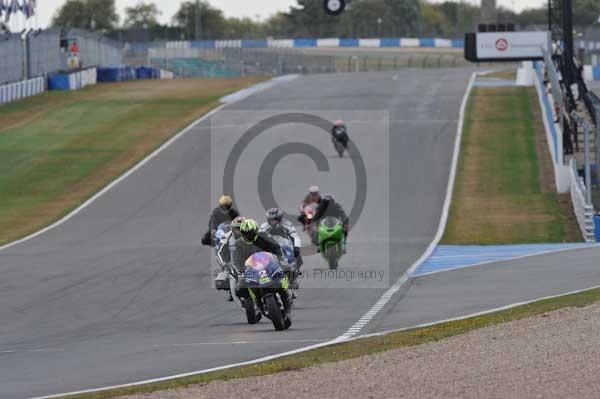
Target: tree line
363,18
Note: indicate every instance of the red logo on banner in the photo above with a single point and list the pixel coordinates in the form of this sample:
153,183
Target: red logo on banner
502,44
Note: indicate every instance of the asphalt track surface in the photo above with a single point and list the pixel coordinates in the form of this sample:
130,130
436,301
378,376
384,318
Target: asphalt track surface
123,291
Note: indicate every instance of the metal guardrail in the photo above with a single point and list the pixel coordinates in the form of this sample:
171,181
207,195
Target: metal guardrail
583,212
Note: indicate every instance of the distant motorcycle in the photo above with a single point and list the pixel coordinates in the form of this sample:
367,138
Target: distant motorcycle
331,240
308,210
339,137
266,280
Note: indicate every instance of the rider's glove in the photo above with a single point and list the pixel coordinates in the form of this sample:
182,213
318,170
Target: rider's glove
296,252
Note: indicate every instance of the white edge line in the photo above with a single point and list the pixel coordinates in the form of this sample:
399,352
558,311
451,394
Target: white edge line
114,182
471,315
386,297
379,304
157,151
328,343
549,252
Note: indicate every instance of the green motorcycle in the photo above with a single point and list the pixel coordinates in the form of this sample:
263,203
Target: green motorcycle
331,240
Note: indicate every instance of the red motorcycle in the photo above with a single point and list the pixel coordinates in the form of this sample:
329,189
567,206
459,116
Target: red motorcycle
308,210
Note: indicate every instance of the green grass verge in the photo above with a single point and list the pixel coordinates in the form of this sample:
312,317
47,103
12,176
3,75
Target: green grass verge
498,197
59,148
365,346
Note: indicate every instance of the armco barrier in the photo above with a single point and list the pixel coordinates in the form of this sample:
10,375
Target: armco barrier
116,73
147,72
583,212
314,43
19,90
72,80
553,132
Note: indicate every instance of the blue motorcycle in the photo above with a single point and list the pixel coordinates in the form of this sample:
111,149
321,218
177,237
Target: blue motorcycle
267,285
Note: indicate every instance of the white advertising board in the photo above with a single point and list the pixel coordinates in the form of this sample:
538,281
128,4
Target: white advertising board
513,45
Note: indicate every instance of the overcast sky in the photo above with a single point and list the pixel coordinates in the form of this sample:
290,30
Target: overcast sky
234,8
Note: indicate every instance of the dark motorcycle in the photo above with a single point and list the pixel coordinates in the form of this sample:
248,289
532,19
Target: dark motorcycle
339,137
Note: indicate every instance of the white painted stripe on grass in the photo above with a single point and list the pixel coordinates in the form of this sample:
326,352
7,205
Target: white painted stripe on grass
385,298
128,173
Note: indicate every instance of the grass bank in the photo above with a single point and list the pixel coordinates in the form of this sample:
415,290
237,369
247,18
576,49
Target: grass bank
59,148
364,346
504,191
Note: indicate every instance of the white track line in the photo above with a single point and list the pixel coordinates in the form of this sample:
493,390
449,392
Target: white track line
114,182
363,320
225,101
385,298
468,316
374,310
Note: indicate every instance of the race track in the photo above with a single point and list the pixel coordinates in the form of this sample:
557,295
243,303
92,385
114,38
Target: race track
123,292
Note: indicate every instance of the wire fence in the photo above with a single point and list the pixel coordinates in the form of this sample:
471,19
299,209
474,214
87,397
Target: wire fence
235,62
40,53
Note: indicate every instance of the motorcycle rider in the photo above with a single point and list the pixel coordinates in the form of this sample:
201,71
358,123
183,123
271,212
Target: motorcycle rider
340,133
221,214
224,253
329,207
277,225
254,241
313,197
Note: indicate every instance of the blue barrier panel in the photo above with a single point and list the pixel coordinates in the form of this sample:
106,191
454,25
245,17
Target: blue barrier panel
427,42
143,72
59,81
390,42
254,43
305,43
111,73
596,72
204,44
458,43
348,42
597,223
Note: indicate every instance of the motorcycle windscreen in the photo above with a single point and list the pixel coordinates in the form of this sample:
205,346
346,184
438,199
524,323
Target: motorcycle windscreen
262,268
331,222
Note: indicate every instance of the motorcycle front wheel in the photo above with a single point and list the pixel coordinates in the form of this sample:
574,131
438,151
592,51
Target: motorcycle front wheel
332,257
251,315
275,312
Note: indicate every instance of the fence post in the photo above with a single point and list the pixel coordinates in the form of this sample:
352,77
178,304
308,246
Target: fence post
588,171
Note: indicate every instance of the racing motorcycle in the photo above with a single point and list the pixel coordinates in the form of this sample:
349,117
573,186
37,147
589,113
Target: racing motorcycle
308,210
339,137
331,240
267,284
